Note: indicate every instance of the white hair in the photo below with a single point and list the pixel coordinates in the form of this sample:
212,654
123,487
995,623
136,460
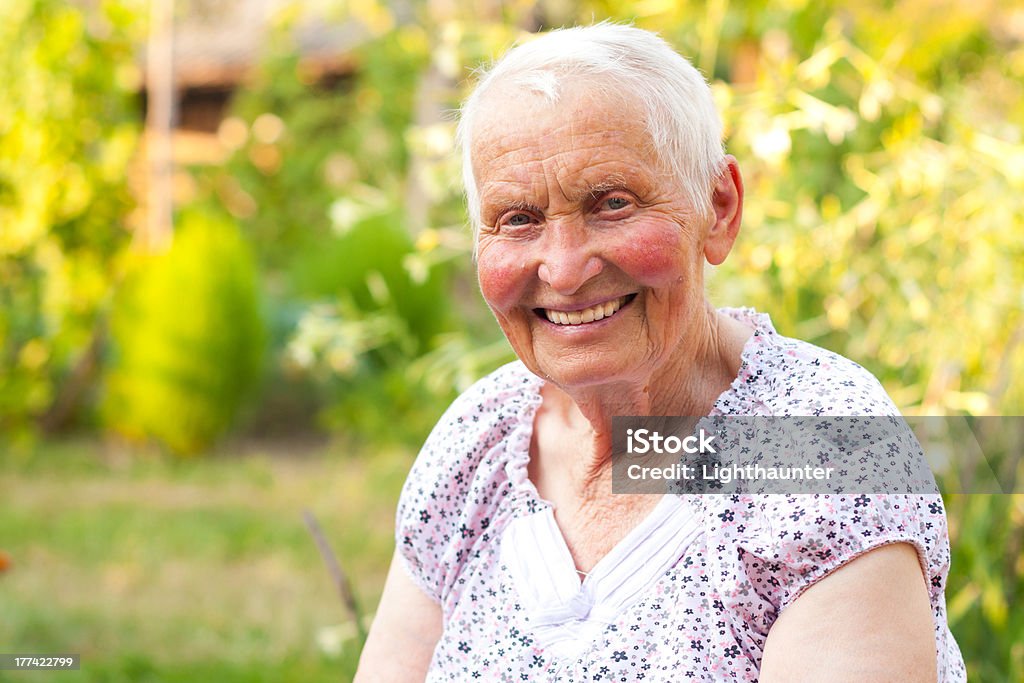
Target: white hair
681,118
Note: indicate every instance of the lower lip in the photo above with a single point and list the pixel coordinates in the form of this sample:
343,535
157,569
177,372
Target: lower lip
583,327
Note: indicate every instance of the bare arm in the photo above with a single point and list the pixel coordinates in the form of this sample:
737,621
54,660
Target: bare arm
870,620
403,634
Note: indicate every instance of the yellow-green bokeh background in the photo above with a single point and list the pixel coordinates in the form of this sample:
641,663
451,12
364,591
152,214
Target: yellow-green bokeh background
166,415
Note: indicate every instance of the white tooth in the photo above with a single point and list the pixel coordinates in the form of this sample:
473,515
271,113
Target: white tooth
592,314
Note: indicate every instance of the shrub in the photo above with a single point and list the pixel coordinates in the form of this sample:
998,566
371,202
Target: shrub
187,339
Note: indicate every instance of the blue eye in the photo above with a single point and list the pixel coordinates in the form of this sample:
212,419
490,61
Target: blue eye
518,220
616,203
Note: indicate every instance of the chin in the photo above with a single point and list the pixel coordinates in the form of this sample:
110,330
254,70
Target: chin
583,373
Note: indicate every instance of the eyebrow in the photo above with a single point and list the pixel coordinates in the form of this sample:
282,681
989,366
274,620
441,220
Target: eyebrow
615,181
503,206
494,210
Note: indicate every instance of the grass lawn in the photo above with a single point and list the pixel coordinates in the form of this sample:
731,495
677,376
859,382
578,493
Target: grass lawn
201,570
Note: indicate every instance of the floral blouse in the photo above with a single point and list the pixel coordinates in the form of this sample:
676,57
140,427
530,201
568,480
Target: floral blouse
690,593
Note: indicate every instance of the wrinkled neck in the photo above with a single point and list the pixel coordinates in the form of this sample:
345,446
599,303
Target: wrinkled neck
688,383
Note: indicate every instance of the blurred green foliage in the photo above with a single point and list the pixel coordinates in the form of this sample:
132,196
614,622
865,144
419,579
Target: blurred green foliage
68,130
316,179
882,201
985,583
187,338
882,159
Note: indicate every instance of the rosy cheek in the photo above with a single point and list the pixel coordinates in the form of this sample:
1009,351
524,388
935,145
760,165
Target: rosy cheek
654,259
501,277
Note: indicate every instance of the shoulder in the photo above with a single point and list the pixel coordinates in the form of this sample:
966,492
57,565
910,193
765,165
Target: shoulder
468,464
785,376
766,550
486,414
778,545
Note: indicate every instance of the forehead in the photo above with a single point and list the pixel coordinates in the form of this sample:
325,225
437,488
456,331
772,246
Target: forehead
521,141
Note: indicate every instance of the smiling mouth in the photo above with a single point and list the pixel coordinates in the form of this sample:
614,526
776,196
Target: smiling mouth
586,315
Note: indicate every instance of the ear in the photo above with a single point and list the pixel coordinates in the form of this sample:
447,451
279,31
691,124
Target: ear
727,209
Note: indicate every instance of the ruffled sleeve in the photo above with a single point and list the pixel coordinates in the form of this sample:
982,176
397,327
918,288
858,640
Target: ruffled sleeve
447,508
771,548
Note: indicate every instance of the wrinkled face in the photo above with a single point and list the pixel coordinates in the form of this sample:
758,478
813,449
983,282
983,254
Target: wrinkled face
589,255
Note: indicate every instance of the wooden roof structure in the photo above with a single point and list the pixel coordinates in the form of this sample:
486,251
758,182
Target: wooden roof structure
217,43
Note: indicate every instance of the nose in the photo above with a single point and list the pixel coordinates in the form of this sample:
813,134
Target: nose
568,260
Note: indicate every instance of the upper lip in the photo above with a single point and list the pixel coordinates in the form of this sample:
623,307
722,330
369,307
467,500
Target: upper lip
575,306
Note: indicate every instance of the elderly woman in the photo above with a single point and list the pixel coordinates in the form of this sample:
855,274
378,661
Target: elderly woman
598,190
